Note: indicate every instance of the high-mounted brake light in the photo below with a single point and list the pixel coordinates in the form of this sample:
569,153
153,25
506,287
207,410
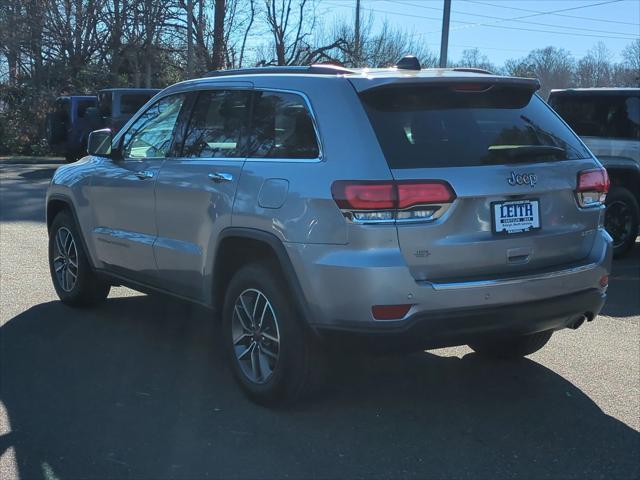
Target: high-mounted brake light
471,87
374,201
592,187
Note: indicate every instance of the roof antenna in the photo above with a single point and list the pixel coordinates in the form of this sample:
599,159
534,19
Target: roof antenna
408,62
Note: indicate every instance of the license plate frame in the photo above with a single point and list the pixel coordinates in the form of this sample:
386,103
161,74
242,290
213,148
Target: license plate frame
535,225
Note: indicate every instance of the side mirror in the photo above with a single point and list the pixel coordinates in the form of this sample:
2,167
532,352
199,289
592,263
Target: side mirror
99,143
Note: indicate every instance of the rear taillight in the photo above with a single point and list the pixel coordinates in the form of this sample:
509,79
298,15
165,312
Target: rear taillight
592,188
376,202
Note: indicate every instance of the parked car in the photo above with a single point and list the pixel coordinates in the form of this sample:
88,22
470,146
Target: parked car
608,121
75,116
415,208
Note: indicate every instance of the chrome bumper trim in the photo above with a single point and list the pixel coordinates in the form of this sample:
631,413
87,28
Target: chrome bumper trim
512,280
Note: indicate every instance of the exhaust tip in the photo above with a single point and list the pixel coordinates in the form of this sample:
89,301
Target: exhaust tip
577,322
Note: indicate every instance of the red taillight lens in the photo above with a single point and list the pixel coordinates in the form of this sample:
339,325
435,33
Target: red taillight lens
390,195
390,312
423,193
592,188
364,195
595,180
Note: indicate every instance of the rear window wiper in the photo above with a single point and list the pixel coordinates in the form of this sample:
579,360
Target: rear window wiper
524,152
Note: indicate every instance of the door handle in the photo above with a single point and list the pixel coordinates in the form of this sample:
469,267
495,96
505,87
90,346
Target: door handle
144,174
218,177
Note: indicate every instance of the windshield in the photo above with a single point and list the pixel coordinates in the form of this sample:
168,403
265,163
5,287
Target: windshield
427,126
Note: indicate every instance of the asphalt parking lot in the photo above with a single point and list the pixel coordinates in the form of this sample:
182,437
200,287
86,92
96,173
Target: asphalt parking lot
137,388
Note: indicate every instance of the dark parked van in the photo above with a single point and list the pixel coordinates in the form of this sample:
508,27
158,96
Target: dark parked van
75,116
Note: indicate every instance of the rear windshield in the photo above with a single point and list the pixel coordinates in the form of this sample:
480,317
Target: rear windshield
437,126
610,116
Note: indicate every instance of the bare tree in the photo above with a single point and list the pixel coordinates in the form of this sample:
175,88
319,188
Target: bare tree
380,48
473,58
595,68
553,66
217,57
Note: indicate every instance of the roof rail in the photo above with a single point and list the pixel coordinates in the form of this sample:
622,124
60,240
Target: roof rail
472,70
312,69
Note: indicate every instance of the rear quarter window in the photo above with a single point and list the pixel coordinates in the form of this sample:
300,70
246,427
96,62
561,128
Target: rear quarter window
282,127
437,126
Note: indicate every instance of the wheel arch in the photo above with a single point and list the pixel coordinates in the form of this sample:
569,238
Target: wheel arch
626,177
237,246
57,203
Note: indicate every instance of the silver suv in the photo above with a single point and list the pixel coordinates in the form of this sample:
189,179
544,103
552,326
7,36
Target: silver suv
608,121
406,207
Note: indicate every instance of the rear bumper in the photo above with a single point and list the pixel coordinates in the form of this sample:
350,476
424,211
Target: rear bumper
462,326
340,286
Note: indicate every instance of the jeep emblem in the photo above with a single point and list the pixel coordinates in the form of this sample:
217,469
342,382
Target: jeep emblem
522,179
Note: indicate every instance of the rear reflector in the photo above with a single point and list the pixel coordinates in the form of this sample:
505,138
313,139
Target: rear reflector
592,187
604,281
390,312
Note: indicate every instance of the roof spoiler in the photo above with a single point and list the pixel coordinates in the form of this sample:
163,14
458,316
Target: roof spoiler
364,84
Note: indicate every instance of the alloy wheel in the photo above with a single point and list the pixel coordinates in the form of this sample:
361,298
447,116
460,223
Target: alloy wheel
65,260
255,335
618,221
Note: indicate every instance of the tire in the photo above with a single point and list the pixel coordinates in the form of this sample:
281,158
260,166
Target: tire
270,373
621,219
514,347
86,288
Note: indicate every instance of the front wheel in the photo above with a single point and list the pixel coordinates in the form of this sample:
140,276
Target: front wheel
73,279
621,219
514,347
273,356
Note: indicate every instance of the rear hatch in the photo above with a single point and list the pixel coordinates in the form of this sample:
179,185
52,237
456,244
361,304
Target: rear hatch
512,166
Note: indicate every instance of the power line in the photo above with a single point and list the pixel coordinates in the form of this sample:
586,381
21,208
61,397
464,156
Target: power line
554,14
517,19
474,24
493,24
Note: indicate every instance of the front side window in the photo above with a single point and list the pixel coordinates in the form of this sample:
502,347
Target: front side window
218,123
282,127
151,134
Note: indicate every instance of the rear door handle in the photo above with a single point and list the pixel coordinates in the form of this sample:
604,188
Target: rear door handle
144,174
218,177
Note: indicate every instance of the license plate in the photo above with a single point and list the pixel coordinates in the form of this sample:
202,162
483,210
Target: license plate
516,216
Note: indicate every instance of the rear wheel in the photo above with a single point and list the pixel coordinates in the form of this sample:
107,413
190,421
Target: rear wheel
272,355
621,219
73,279
513,347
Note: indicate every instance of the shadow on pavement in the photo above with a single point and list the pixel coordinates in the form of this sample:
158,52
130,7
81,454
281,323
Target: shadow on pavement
138,388
22,192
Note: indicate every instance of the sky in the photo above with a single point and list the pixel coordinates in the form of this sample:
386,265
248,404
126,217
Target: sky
504,29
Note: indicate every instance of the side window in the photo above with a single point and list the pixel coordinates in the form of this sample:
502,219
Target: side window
218,124
282,127
151,134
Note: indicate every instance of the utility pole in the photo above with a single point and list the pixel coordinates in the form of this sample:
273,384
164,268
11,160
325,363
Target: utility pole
189,38
356,56
444,40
